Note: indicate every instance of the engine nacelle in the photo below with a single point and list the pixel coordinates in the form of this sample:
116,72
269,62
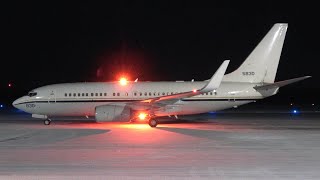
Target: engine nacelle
107,113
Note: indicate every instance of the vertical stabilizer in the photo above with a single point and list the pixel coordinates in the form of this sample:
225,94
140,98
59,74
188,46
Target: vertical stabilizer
262,64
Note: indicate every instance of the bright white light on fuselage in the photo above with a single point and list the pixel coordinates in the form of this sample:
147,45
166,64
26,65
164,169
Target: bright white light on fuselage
194,90
123,81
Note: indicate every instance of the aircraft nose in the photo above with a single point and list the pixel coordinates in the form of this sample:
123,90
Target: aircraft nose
16,102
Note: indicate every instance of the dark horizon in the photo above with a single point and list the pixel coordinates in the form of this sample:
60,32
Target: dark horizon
57,43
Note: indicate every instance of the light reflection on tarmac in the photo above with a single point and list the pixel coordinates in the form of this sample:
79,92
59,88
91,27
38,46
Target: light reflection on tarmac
225,147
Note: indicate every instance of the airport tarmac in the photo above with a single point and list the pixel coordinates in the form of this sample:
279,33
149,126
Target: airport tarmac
220,146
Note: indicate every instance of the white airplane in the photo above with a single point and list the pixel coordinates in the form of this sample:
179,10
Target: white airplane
127,101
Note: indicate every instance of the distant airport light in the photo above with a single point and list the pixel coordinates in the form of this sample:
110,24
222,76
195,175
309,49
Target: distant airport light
295,111
123,81
142,116
1,106
9,85
312,104
291,104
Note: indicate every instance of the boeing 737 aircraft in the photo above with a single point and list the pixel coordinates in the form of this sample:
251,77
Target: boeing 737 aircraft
127,101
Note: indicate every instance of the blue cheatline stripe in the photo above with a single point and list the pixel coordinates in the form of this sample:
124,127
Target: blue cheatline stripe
76,101
129,100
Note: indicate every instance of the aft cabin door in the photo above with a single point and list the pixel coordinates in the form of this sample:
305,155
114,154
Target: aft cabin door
232,98
52,97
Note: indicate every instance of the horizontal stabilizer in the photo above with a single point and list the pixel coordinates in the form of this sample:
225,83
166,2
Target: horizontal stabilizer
280,83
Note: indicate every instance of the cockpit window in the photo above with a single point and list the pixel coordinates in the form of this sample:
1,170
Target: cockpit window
30,94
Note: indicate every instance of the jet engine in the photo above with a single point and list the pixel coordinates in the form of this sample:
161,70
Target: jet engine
108,113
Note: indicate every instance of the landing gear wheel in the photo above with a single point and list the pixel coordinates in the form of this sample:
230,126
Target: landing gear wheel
47,122
153,123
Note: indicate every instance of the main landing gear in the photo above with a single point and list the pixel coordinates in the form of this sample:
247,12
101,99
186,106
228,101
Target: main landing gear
153,122
47,122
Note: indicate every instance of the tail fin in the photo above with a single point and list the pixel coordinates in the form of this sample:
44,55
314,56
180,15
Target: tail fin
262,64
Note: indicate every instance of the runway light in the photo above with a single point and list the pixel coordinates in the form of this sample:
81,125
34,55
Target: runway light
295,111
123,81
142,116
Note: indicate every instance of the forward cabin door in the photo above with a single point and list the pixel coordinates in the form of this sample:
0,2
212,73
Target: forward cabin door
52,97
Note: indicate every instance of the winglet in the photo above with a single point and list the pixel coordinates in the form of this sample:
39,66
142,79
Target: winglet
216,79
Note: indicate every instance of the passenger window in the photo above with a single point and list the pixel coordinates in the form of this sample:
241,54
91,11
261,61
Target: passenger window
145,94
154,93
135,94
97,94
150,94
82,94
91,94
140,93
87,94
172,93
74,94
100,94
163,94
114,94
105,94
126,94
118,94
79,94
70,94
65,94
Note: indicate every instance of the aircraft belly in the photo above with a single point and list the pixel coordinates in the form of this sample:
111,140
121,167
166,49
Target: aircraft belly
67,109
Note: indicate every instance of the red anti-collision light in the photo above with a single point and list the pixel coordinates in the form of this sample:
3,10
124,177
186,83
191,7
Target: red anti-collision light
123,81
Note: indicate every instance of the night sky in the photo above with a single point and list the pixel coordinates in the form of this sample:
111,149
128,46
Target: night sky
47,43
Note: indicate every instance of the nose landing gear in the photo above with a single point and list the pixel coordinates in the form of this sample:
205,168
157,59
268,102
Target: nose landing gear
47,122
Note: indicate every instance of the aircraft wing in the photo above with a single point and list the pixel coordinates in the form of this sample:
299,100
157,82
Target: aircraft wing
212,84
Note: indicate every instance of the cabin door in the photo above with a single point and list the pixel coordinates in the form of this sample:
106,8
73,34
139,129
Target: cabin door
52,97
